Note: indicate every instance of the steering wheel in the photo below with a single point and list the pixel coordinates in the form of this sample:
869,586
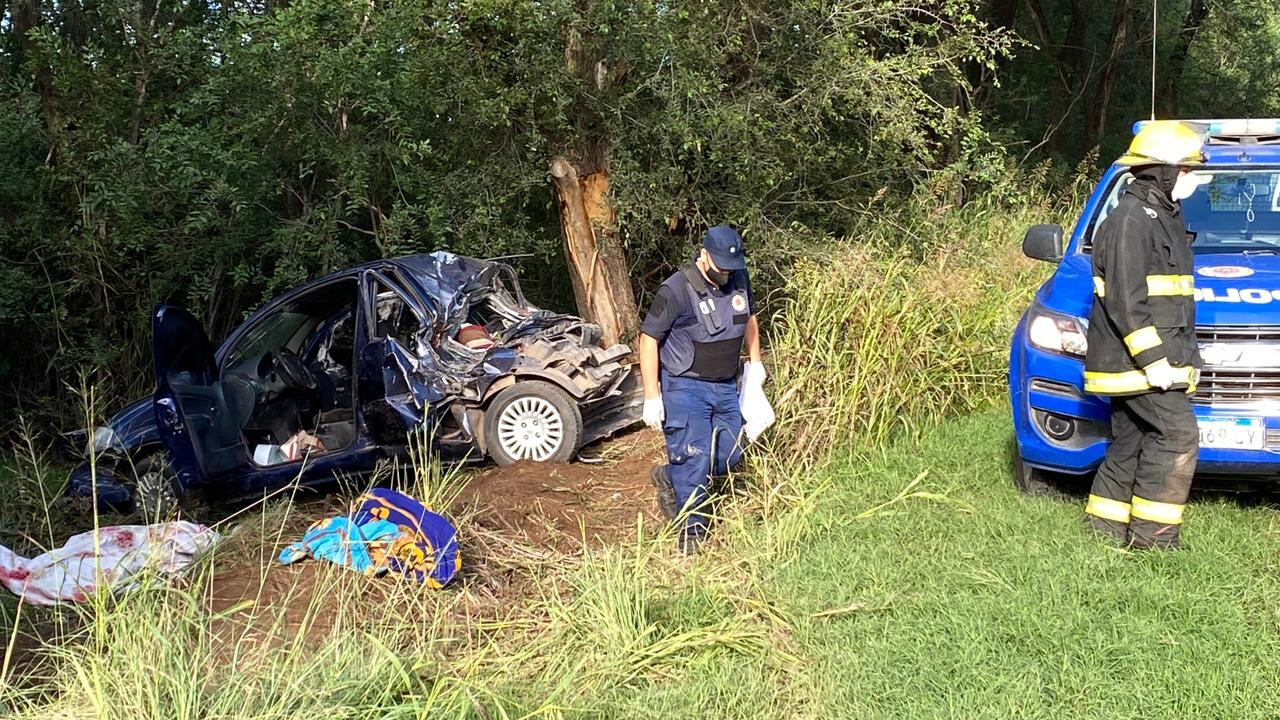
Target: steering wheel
293,372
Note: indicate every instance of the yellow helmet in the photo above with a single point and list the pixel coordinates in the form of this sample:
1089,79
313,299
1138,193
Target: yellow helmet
1165,142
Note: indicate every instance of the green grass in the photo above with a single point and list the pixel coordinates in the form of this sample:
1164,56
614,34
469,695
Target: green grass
987,604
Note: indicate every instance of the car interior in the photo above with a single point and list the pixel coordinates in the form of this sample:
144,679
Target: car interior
292,376
1231,211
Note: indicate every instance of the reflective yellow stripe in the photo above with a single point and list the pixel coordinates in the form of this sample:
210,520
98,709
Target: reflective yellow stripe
1106,383
1099,287
1142,339
1170,284
1157,512
1108,509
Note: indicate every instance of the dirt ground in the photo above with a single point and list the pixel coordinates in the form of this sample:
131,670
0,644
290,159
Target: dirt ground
509,520
563,505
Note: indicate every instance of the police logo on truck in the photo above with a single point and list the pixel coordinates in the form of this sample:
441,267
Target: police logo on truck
1225,271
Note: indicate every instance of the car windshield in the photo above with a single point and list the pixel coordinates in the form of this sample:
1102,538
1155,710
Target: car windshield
1231,211
273,333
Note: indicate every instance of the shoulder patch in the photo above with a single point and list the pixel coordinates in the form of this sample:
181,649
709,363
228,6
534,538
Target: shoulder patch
1151,213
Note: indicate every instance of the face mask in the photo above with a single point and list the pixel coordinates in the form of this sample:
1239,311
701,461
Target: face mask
1184,186
719,277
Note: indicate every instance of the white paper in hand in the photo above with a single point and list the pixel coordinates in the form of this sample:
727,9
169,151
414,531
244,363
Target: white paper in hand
757,413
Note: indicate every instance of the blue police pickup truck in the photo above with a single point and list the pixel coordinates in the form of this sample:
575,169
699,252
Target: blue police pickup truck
1234,220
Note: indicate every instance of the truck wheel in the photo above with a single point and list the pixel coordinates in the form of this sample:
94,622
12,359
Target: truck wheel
1033,482
156,495
532,420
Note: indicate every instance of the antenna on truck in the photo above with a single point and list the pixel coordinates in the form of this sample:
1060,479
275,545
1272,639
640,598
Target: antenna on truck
1155,28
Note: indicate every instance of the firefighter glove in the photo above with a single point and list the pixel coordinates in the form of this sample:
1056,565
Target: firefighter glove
1160,374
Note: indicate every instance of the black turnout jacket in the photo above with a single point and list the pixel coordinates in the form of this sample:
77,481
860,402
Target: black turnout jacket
1144,310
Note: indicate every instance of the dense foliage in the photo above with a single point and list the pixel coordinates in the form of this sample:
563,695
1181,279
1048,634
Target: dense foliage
212,154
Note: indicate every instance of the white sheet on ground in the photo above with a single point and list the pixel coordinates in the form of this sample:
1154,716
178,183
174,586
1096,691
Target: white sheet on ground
72,573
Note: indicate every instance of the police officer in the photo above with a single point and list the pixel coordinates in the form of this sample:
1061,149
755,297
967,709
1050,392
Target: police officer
1142,347
691,343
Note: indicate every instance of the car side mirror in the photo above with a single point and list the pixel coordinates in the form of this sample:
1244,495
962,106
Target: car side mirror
1043,242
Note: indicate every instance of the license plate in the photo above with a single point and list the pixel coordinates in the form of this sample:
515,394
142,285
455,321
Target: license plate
1232,433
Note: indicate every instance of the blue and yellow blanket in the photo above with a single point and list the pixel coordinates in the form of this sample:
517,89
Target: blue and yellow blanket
386,532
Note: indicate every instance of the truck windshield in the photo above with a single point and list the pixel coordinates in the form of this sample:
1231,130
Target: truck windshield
1232,211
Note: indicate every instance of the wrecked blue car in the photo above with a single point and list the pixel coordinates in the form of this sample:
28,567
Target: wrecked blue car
336,375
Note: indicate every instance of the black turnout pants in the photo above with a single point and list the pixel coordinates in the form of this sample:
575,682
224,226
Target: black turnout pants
1140,490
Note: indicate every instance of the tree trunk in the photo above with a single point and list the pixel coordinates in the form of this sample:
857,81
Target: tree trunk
1072,54
26,18
1100,102
1195,17
597,265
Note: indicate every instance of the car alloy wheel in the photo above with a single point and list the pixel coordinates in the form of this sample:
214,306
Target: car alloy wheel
530,428
153,493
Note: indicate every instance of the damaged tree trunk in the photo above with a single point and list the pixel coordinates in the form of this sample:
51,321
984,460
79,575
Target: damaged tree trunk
597,265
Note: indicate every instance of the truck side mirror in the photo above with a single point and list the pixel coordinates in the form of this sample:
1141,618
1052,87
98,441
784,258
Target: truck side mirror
1043,242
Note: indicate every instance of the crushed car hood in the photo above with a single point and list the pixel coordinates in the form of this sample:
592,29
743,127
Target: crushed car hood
526,339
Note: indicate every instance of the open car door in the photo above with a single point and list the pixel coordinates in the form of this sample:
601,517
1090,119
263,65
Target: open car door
197,425
395,394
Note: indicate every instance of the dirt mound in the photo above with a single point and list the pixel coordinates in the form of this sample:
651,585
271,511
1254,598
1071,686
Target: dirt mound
510,518
596,501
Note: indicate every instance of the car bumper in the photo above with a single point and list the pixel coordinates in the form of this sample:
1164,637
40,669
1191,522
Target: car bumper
1046,385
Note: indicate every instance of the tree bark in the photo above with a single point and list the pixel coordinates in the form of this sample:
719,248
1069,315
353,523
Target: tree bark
597,265
1104,89
1195,17
26,18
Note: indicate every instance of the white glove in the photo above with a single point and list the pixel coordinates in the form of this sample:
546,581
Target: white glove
654,413
757,413
1160,374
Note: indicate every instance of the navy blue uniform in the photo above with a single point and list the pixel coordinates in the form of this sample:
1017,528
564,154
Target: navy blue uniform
700,330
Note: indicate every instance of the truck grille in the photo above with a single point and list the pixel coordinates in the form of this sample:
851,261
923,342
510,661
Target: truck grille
1238,333
1238,386
1224,385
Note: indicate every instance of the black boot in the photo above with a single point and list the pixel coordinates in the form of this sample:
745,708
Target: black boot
666,492
689,541
1117,532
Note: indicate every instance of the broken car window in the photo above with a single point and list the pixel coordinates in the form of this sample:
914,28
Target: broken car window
395,319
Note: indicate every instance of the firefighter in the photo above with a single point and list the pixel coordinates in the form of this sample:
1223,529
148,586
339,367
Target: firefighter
691,344
1142,346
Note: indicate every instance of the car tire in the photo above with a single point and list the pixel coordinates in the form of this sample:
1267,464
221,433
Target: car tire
157,495
532,420
1034,482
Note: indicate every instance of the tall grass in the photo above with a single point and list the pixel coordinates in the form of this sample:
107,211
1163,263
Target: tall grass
877,336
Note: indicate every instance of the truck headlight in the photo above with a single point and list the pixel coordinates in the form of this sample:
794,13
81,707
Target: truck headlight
1058,333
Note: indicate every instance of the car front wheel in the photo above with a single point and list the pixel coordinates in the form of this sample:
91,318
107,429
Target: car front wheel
1033,482
155,491
532,420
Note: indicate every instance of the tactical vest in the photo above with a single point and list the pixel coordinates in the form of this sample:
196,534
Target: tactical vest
709,347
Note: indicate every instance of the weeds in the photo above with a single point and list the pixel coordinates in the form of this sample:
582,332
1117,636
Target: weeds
881,340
